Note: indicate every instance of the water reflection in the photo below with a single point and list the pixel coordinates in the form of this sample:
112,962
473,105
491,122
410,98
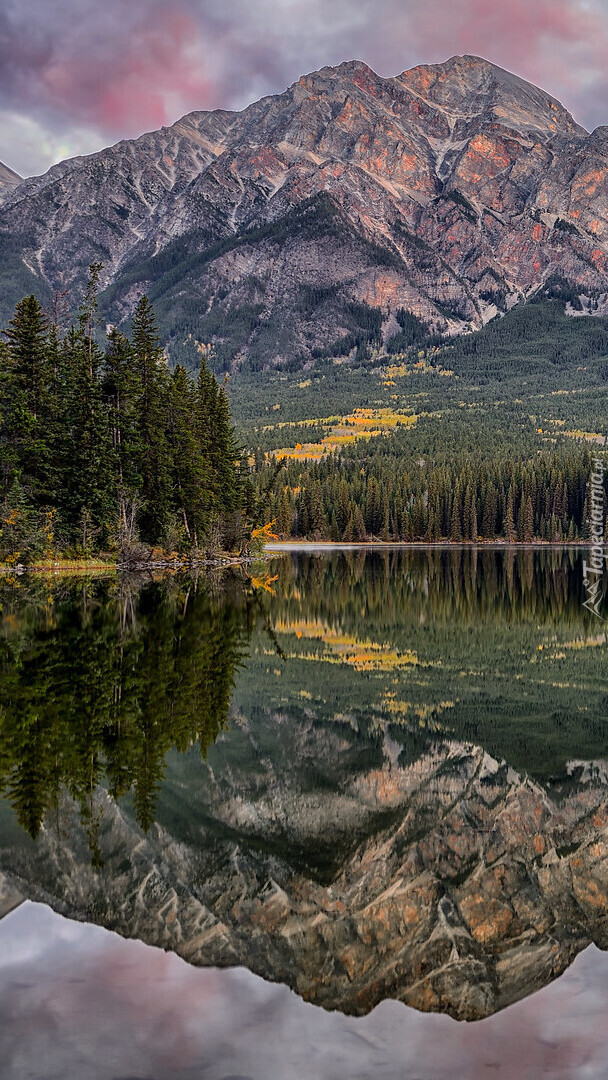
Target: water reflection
99,680
64,988
405,799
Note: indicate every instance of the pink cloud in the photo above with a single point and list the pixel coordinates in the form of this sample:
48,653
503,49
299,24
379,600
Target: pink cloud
85,1002
516,29
116,69
540,40
560,45
138,83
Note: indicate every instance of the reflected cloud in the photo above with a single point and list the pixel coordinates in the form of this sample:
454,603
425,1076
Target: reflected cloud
91,1005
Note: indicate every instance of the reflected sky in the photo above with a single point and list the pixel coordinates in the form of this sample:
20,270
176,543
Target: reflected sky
80,1003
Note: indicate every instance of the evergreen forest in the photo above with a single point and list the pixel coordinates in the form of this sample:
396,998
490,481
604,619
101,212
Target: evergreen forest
492,436
105,450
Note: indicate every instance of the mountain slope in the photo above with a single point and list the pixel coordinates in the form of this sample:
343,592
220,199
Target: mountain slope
307,220
9,180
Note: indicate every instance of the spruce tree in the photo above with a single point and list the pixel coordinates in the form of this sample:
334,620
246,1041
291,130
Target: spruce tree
85,455
528,520
189,470
153,456
121,392
207,392
225,454
27,404
455,520
510,531
284,514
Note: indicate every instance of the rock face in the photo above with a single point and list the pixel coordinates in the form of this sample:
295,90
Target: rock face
9,180
450,883
453,191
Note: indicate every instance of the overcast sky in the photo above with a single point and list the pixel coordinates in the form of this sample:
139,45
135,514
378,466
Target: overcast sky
76,75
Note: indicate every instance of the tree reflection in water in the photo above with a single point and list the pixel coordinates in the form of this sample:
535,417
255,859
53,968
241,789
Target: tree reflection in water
100,679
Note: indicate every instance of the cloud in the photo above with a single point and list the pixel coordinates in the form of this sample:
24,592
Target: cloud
519,31
32,147
87,73
110,70
139,81
557,44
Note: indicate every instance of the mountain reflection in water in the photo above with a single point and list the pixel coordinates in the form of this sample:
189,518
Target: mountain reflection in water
406,797
77,1003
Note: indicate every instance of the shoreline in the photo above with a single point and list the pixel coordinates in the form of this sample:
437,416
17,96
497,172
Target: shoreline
281,546
73,566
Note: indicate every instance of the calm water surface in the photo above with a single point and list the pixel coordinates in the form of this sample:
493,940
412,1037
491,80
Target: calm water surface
350,815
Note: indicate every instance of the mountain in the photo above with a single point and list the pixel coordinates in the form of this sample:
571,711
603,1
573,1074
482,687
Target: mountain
308,220
452,883
9,180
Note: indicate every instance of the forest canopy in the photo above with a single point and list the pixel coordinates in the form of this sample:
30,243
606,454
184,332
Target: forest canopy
106,449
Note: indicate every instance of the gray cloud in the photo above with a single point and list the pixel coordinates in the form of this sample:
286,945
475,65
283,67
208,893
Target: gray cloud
77,75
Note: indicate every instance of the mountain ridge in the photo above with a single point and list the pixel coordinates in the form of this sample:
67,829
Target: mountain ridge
306,220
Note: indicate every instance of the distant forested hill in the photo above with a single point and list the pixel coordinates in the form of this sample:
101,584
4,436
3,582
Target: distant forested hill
491,436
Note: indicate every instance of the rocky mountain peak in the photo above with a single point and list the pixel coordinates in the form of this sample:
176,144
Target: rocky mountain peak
470,88
339,72
452,190
467,888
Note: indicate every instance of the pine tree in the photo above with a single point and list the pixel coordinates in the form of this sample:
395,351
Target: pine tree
528,524
189,468
225,454
284,514
455,521
27,404
488,523
318,520
358,525
385,531
85,455
343,509
21,528
27,337
153,464
510,531
373,508
469,516
121,391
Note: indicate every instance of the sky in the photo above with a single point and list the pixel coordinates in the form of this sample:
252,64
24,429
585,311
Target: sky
77,75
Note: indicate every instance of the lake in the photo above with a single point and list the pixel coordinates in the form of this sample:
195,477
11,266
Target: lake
341,815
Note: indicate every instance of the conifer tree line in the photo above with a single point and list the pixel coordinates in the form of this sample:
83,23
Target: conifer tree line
107,686
108,450
385,497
